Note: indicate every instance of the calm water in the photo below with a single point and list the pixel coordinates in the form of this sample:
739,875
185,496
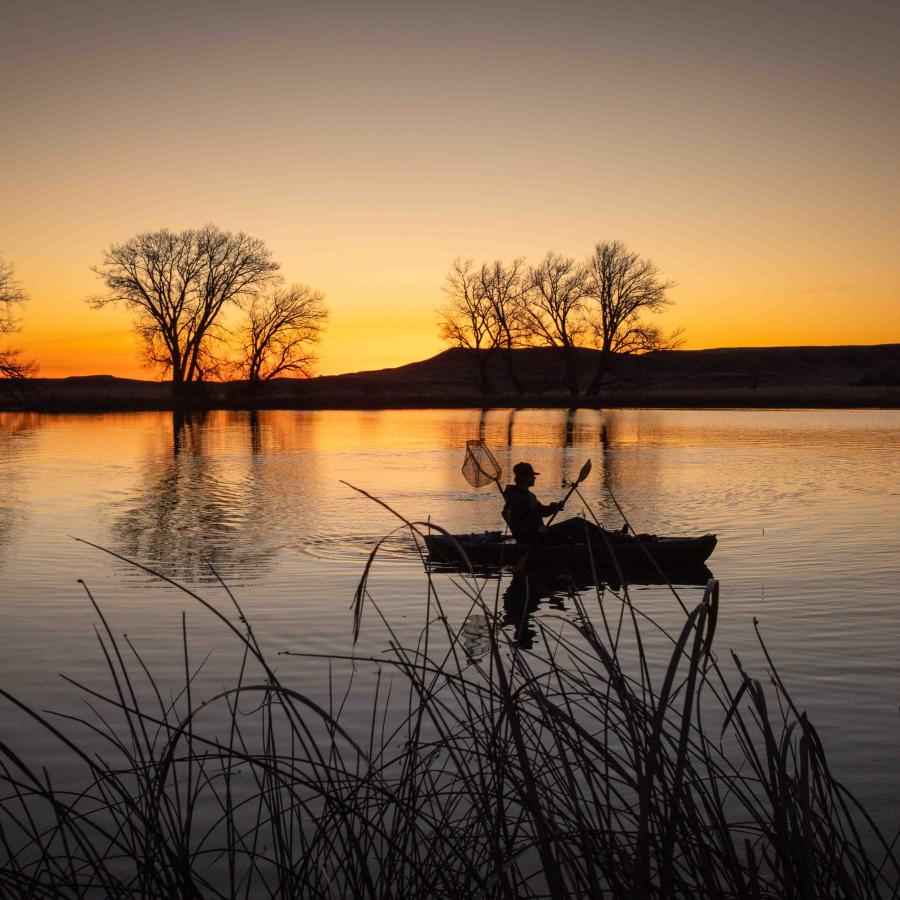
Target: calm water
806,505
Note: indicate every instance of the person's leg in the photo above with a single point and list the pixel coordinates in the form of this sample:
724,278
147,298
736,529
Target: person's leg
575,529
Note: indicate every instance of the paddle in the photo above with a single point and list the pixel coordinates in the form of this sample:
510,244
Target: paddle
585,471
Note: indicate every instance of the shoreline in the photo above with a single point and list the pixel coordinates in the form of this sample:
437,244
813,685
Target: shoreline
735,378
162,400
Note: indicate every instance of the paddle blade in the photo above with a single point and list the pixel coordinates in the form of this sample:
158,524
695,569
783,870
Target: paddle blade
585,471
480,467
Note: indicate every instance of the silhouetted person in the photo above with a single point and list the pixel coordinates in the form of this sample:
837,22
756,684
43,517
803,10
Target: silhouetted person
525,514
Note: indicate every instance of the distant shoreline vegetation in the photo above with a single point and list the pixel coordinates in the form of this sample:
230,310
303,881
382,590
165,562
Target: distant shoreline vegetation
775,377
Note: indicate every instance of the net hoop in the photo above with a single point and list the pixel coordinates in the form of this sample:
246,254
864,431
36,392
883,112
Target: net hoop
480,467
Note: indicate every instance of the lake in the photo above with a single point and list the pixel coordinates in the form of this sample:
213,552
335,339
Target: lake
806,506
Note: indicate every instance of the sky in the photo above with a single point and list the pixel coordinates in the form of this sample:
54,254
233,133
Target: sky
749,149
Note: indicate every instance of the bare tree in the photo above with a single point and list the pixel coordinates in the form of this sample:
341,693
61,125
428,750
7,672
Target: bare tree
466,320
501,289
12,295
621,286
177,285
553,310
279,332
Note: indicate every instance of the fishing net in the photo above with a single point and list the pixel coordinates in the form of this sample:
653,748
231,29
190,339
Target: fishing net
480,467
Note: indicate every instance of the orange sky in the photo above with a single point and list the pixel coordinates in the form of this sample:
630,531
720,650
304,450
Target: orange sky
750,150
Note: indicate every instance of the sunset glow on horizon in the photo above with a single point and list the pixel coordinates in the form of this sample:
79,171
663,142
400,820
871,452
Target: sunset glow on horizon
749,151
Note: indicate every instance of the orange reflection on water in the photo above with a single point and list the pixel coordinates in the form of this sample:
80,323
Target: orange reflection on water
246,472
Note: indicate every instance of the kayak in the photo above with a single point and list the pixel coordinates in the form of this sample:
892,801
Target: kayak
613,552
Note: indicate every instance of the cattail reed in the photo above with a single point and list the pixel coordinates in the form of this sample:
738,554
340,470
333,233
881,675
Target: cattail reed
570,770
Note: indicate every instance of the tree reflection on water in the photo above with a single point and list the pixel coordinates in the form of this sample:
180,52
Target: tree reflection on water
200,507
17,432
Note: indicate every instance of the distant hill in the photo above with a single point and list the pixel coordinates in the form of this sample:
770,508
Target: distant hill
741,376
540,369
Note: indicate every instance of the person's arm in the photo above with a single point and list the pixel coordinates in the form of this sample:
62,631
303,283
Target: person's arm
547,509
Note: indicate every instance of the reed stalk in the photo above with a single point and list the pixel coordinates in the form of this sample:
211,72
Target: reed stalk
572,770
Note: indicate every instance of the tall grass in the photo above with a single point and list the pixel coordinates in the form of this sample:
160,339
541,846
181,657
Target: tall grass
579,769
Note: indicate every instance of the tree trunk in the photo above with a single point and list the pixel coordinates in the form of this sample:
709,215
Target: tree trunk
511,368
186,392
571,367
177,367
177,383
483,380
604,365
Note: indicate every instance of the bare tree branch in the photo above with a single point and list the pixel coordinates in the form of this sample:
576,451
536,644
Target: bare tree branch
14,367
466,319
177,285
12,296
553,310
277,336
620,287
501,288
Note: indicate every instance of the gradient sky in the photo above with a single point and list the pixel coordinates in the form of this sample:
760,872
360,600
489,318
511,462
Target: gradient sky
750,149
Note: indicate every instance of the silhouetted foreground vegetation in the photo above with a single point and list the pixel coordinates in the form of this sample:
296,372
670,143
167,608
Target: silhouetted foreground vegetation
580,770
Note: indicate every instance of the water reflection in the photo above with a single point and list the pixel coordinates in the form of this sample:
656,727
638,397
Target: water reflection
256,434
527,592
206,504
510,426
488,417
805,504
569,433
236,486
236,479
475,636
17,438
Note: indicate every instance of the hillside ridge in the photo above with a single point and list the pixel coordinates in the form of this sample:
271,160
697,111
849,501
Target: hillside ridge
845,375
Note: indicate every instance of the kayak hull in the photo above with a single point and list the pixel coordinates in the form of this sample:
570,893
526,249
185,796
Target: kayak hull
613,553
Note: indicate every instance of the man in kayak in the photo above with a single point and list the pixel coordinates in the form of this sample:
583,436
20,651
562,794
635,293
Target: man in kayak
525,514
